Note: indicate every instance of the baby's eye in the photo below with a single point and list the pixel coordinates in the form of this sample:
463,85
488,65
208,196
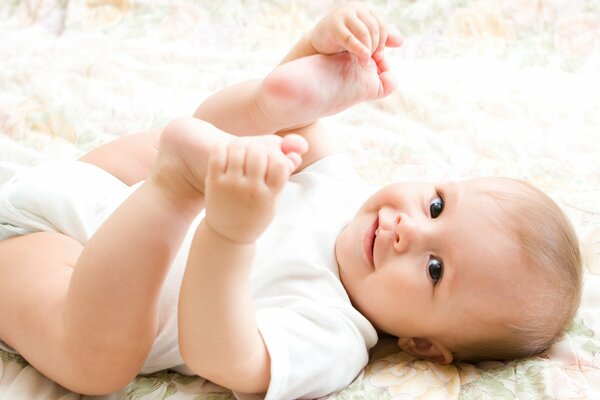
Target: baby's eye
435,268
436,207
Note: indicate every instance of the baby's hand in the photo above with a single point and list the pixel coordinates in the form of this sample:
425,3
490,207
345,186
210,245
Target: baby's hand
244,181
355,28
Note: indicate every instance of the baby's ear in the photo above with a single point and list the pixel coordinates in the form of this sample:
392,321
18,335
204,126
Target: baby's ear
428,349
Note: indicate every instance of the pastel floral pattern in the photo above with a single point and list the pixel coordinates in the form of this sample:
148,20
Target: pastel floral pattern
486,87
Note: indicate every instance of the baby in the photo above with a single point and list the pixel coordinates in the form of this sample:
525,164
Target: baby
243,259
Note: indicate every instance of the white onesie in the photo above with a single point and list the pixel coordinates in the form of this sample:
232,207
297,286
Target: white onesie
317,341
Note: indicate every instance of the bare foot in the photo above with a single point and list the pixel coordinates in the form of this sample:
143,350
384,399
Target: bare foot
185,145
303,90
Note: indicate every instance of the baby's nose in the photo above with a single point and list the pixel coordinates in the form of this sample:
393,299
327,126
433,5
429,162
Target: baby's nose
405,232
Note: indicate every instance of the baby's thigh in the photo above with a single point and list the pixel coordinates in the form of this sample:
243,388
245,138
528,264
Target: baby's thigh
129,158
35,271
35,276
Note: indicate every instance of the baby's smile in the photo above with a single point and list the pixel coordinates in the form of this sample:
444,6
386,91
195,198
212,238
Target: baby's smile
381,234
369,242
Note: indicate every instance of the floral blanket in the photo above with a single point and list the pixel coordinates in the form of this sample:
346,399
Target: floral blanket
489,87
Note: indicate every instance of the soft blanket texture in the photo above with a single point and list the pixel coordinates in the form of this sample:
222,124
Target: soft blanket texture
491,87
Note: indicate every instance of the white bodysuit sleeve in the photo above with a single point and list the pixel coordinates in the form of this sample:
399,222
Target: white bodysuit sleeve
314,350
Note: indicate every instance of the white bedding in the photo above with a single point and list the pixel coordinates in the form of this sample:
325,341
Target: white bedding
497,87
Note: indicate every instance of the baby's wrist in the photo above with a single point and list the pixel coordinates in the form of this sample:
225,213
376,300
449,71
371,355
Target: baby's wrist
223,236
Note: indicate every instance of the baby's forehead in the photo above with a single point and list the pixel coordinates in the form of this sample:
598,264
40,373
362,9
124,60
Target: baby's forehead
494,268
492,184
495,205
485,238
492,196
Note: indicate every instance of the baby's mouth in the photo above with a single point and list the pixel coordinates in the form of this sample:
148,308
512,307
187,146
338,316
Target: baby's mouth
370,242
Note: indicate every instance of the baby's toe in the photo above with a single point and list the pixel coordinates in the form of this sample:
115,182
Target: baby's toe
294,143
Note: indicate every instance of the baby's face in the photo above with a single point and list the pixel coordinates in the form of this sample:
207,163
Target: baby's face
421,260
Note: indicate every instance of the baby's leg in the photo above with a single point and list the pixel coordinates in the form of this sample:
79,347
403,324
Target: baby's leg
112,300
35,271
87,317
309,88
296,94
129,157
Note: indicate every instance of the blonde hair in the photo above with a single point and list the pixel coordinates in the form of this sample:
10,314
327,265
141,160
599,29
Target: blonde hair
550,249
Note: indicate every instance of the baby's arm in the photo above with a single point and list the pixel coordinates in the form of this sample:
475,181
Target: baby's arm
218,334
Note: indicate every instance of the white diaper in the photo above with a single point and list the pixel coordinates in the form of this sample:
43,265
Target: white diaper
70,197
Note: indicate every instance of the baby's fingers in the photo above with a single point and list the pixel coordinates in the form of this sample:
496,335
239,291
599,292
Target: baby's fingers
349,41
279,170
236,157
256,161
394,40
387,37
369,19
217,161
383,34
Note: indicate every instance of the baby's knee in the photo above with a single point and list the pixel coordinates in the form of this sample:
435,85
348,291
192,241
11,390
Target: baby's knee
99,375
